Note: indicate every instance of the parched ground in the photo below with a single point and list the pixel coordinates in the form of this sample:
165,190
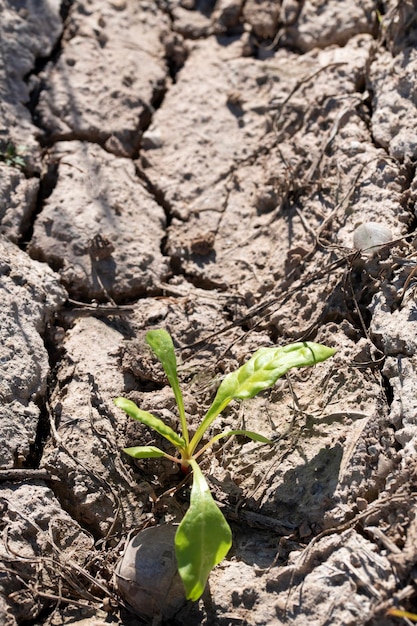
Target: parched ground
203,166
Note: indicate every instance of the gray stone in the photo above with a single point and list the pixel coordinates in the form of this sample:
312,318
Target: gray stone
147,575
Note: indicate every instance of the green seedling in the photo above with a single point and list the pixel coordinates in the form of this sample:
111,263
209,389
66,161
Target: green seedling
204,537
13,156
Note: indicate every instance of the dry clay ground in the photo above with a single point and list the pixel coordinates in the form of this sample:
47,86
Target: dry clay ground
202,166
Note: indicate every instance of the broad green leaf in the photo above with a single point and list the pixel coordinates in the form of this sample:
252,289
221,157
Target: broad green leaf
161,343
150,420
259,373
266,366
203,538
144,452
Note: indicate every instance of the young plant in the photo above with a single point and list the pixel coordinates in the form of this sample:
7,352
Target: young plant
13,156
203,537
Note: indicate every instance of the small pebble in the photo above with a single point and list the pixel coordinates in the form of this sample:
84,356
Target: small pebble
370,236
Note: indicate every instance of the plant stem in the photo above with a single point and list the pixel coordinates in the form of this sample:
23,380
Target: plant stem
212,413
181,411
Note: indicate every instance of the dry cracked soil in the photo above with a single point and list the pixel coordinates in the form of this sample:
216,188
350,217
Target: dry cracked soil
205,166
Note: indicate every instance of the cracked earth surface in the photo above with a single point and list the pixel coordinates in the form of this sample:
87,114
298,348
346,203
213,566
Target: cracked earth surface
202,166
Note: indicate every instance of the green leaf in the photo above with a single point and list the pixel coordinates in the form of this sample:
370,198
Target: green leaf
144,452
150,420
203,538
266,366
161,343
259,373
228,433
245,433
